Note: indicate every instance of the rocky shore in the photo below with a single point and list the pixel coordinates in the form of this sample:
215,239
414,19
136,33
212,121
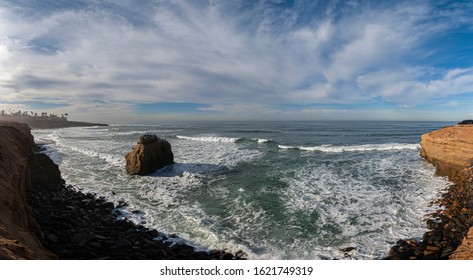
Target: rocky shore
450,229
42,218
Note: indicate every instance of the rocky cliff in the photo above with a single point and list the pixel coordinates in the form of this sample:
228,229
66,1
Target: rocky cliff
150,154
450,149
19,232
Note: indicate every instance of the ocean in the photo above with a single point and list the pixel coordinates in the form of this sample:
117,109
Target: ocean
276,190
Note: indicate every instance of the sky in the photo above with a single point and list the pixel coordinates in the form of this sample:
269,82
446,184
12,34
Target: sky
144,61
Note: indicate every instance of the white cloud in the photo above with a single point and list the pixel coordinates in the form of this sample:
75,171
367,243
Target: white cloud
184,51
453,104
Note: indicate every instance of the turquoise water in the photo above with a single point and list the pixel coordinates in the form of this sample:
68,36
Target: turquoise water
277,190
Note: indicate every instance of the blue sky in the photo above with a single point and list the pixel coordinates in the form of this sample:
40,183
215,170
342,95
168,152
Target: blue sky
125,61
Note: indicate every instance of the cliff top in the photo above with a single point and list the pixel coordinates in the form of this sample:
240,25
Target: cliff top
459,133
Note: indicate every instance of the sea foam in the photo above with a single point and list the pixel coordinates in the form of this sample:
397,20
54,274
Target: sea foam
353,148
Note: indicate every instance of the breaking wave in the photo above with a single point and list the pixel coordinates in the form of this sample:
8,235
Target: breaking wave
354,148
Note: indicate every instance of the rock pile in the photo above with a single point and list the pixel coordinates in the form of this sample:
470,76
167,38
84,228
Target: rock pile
447,227
150,154
80,226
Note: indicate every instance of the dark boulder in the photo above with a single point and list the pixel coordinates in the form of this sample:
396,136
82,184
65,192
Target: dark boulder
150,154
466,122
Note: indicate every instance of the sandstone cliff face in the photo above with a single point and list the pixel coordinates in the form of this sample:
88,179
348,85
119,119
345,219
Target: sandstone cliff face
150,154
450,149
17,240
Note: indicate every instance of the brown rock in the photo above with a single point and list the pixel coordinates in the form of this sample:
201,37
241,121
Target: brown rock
432,248
17,226
150,154
465,250
450,148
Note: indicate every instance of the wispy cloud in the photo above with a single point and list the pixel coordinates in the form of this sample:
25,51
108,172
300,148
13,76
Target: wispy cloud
254,54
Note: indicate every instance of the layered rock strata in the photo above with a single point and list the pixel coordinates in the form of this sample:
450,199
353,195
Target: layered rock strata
150,154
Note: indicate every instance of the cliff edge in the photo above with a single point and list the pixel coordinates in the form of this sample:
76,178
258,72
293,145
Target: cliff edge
450,148
18,230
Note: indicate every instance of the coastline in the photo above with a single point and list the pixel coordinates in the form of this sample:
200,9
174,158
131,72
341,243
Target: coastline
446,228
74,225
60,222
46,122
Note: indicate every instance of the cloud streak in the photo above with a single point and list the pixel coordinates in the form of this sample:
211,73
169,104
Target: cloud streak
219,53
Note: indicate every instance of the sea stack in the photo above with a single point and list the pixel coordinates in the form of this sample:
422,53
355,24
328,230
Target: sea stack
450,148
150,154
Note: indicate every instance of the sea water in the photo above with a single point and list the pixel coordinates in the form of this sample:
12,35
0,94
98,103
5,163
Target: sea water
276,190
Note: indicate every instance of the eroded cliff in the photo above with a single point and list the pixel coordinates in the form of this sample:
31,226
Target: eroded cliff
18,230
450,148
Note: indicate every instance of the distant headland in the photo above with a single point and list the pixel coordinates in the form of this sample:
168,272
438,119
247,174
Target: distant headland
43,120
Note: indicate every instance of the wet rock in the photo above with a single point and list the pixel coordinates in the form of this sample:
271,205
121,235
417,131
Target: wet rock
51,237
348,249
226,256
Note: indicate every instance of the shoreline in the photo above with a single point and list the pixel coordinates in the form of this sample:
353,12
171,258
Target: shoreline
68,224
446,228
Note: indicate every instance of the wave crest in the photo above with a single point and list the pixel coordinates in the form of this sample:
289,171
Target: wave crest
222,139
354,148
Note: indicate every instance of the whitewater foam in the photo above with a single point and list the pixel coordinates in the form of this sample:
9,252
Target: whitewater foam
376,193
209,139
354,148
222,139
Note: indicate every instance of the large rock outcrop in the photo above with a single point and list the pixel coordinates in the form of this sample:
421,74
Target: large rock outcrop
150,154
450,148
19,231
